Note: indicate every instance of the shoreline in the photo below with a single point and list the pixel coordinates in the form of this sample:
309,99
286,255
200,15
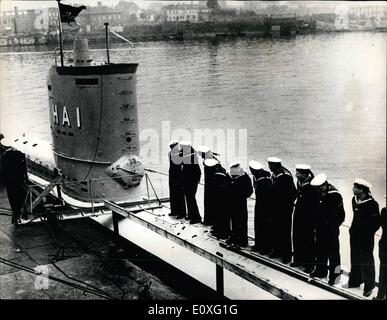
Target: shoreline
99,38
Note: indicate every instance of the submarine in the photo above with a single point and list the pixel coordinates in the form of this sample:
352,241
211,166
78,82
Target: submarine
94,129
93,160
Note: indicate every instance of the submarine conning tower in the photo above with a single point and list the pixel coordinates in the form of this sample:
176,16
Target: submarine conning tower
94,127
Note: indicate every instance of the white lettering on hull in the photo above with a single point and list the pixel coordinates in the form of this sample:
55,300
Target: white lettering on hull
65,119
65,116
55,114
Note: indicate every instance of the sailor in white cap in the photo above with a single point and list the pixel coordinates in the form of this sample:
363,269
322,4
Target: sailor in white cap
283,195
262,215
330,215
206,153
191,177
185,143
209,210
218,182
209,203
176,193
303,223
239,189
365,223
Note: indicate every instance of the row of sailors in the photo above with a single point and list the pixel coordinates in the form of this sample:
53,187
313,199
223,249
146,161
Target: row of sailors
307,216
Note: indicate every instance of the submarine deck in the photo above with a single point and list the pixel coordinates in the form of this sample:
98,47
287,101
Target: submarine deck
193,250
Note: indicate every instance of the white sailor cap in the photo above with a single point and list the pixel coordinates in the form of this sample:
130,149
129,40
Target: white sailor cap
173,143
236,163
210,162
274,160
255,165
185,143
302,167
363,182
319,180
203,149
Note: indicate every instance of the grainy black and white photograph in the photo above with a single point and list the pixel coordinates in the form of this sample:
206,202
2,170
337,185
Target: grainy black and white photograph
192,150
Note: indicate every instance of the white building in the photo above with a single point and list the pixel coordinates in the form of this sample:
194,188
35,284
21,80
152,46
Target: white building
182,12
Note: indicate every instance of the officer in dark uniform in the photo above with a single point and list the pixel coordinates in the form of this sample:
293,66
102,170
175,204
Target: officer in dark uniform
304,244
239,189
383,258
330,215
283,196
176,193
209,210
191,178
263,227
218,183
365,223
15,179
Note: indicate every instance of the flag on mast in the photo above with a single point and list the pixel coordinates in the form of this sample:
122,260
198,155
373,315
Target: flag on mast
69,13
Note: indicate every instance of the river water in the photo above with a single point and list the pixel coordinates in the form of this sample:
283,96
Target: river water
316,99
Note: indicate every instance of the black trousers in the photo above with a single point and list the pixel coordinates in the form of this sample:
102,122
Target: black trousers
282,236
239,224
262,229
17,194
328,250
362,261
176,196
382,275
222,219
209,205
190,189
304,244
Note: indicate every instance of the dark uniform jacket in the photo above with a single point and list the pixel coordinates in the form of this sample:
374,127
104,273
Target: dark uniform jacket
366,219
218,181
175,163
262,214
239,189
304,212
262,187
191,168
283,192
209,197
331,212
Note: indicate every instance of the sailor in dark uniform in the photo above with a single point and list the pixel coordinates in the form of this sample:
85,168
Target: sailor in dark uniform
15,179
263,227
191,178
239,189
209,210
218,183
304,244
365,223
330,215
176,193
283,196
383,258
